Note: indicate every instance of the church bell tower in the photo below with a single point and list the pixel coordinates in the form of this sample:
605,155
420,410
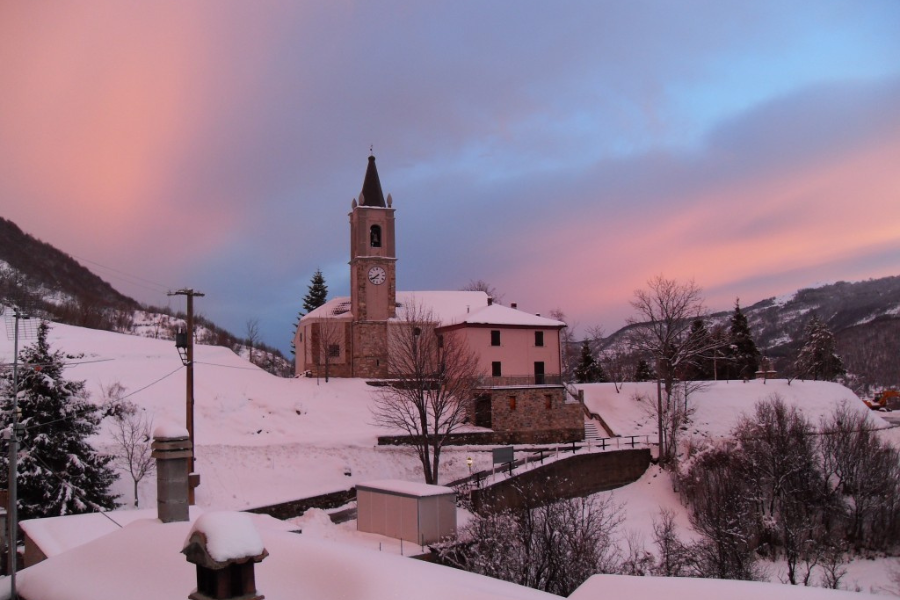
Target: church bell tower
373,275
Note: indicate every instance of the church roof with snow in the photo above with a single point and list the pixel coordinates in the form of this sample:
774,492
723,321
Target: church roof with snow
448,308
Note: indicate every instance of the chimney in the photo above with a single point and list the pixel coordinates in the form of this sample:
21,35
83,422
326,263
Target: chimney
490,301
514,305
225,546
171,449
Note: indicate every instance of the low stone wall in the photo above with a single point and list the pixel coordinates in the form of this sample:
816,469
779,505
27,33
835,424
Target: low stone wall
496,438
573,477
295,508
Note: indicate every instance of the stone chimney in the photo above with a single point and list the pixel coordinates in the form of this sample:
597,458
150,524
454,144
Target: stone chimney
514,305
171,449
225,546
490,301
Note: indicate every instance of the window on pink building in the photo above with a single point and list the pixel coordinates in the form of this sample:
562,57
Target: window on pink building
538,338
495,337
496,371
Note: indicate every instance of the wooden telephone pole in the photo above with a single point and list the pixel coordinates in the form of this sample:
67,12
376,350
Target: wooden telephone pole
193,480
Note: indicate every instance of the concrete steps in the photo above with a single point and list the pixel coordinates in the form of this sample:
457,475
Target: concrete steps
591,432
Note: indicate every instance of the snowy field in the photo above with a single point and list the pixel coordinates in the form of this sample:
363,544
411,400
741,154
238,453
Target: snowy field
263,439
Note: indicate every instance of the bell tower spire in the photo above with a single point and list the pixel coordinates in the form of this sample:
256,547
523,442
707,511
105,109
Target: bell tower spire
373,274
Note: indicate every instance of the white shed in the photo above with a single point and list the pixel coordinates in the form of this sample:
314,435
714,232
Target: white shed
414,512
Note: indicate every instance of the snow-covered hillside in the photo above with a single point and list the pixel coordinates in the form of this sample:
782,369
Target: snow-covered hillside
718,405
260,439
264,439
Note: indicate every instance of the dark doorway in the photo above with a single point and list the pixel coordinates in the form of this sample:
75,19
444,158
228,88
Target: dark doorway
483,411
539,373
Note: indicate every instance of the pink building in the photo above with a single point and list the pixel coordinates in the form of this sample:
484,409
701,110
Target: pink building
518,352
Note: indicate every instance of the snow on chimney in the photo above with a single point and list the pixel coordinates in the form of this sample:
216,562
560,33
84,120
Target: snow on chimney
225,547
171,449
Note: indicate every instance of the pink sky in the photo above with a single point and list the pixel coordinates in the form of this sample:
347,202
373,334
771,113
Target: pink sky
566,154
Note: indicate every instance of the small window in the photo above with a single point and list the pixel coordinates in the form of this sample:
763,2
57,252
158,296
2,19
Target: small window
548,401
375,236
300,337
495,337
440,340
538,338
512,403
495,369
334,351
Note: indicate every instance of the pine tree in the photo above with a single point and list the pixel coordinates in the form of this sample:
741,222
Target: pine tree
318,292
700,368
588,369
643,372
59,473
817,357
742,352
315,297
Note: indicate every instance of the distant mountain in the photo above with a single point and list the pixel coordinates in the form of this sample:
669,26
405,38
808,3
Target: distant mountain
864,317
38,274
52,285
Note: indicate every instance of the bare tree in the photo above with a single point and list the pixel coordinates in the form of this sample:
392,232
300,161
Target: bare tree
617,364
553,547
570,350
434,378
666,312
252,338
326,343
481,285
132,434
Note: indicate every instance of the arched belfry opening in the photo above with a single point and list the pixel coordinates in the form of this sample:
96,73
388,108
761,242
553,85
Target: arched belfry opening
375,236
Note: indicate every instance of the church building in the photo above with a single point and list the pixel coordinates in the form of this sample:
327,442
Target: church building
518,352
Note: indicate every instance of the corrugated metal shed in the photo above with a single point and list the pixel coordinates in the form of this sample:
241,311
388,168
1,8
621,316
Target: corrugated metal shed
413,512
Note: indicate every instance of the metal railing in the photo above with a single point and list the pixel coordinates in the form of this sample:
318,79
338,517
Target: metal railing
512,380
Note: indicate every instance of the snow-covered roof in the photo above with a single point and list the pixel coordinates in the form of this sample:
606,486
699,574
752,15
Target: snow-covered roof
405,488
687,588
497,314
55,535
336,308
448,308
142,561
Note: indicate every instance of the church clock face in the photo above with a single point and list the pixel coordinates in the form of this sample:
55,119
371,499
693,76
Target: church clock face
377,275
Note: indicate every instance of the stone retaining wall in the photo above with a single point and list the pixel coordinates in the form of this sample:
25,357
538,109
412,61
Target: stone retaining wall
573,477
295,508
496,438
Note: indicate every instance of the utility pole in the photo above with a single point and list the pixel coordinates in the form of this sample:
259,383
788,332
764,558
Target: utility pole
15,431
189,363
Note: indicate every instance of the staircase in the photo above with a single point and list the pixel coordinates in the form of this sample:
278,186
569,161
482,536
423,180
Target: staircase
591,433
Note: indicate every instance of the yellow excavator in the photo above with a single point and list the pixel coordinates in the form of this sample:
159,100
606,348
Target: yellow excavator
885,400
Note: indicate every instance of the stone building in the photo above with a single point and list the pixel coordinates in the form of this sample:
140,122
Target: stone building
519,352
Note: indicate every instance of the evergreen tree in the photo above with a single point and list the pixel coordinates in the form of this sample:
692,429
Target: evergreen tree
700,368
59,473
742,352
315,297
318,292
643,371
588,369
817,357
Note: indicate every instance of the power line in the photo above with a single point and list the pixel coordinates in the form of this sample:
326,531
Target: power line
133,279
197,362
